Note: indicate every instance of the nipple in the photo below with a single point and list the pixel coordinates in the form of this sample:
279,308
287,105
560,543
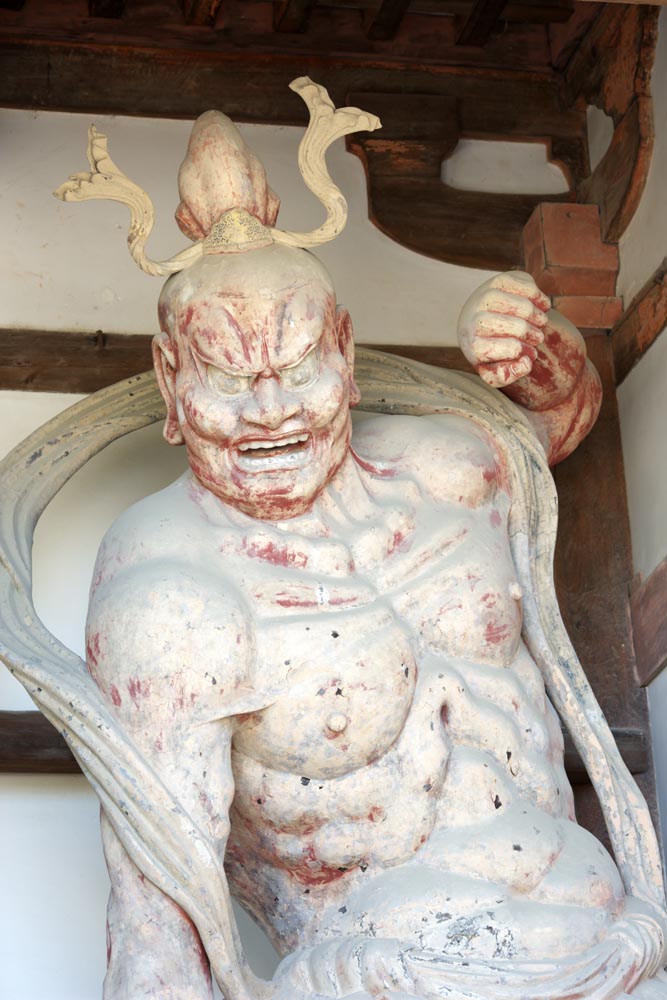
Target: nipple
516,593
337,722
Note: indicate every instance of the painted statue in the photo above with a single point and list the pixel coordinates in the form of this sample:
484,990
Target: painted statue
327,657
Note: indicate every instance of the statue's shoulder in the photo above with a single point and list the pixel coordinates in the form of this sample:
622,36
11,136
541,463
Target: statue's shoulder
451,456
172,533
162,608
153,527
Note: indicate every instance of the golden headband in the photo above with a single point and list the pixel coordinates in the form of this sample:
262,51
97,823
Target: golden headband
236,229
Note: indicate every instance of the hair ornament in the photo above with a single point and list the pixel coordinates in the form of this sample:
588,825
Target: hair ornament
226,204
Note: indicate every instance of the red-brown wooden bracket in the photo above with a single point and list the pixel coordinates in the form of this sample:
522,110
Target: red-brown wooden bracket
648,604
564,252
643,321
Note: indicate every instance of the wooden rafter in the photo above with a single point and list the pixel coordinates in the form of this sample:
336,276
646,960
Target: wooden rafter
384,20
106,8
480,22
292,15
200,12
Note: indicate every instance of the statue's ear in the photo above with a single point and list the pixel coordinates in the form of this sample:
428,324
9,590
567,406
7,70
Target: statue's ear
345,337
165,363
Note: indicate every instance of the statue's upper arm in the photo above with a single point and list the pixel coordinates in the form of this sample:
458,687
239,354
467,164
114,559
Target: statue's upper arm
169,644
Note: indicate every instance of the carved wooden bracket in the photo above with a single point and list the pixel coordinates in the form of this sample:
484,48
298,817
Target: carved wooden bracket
407,197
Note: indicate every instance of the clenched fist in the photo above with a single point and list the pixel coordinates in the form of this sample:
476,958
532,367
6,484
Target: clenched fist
501,325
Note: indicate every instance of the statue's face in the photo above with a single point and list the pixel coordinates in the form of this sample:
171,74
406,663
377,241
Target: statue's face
261,391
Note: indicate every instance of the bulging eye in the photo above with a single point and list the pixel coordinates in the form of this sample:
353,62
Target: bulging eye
303,373
227,383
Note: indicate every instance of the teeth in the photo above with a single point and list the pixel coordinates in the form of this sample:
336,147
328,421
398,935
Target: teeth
254,445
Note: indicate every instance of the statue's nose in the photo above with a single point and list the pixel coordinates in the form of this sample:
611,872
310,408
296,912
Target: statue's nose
270,405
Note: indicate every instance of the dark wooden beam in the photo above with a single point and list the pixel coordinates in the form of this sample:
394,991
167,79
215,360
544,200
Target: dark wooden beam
63,361
643,321
292,15
106,8
648,604
385,19
200,12
50,361
480,22
29,744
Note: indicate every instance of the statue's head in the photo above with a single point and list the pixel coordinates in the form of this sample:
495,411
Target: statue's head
254,361
253,358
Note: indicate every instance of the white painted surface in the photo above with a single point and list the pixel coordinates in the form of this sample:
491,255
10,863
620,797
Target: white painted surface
600,132
642,397
643,410
66,266
503,167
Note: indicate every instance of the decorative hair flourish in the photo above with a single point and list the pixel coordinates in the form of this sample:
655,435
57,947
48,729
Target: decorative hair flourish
226,204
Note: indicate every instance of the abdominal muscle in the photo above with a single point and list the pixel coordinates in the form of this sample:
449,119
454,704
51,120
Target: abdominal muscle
439,843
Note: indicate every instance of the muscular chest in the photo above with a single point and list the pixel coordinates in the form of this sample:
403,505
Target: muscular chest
345,649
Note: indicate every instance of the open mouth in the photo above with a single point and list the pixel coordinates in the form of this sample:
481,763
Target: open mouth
268,453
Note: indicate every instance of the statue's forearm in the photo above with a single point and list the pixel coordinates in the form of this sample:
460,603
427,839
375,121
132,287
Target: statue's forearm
562,427
562,392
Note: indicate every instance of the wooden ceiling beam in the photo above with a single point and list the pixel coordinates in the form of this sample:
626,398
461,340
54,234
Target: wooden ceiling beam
385,20
329,33
292,15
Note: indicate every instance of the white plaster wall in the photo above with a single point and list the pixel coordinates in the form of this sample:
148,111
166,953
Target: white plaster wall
644,244
643,399
66,266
